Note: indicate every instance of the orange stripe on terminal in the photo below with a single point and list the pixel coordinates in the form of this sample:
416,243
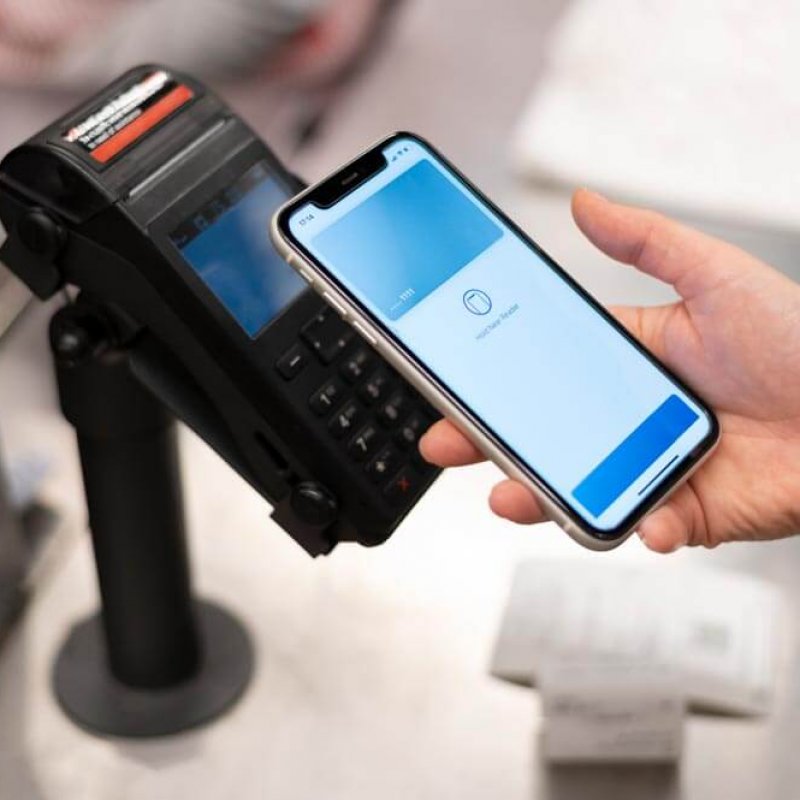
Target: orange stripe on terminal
148,120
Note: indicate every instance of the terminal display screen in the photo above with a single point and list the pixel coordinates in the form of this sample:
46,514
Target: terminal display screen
226,242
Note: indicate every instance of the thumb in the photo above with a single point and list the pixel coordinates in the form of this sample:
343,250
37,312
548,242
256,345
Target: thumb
680,521
686,259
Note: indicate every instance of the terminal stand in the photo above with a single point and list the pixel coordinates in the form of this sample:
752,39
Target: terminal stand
154,660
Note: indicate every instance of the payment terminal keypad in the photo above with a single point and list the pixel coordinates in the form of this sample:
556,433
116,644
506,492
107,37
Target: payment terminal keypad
363,405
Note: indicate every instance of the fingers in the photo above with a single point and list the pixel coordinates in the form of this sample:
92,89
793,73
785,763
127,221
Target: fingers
630,319
674,253
663,531
446,446
670,527
513,501
679,522
648,325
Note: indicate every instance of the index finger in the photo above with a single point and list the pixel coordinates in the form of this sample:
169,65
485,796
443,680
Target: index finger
445,446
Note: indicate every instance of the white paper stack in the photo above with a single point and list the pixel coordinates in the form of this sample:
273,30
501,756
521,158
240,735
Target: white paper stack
611,711
717,630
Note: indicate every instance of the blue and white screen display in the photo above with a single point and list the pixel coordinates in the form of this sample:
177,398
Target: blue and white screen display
227,244
524,352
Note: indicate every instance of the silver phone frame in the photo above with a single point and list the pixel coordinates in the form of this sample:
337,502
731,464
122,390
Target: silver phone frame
554,508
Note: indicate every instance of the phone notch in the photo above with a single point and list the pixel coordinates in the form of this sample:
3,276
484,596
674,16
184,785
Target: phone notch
348,179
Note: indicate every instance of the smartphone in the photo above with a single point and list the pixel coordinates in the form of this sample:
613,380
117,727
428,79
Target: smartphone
498,337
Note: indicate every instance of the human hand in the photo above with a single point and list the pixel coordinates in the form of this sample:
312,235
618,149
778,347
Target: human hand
734,336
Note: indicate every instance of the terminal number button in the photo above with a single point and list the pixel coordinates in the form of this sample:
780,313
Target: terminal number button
375,387
324,399
408,435
383,465
353,368
392,411
345,420
364,443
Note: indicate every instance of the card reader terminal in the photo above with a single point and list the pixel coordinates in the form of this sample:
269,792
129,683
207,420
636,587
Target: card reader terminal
155,198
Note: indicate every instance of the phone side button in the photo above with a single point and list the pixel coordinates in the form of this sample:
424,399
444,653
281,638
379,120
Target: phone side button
365,334
297,265
335,305
305,275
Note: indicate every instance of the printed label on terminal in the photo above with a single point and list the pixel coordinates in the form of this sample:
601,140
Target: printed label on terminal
124,119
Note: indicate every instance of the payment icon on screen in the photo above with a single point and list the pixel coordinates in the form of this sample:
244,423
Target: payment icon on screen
477,302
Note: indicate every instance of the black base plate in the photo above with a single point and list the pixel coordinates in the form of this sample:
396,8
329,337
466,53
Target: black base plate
93,698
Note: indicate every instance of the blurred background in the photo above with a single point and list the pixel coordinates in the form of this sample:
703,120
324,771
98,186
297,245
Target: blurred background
372,677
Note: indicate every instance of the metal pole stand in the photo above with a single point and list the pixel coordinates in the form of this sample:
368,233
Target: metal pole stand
153,661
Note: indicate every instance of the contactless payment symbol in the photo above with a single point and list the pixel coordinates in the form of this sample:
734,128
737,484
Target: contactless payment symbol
477,302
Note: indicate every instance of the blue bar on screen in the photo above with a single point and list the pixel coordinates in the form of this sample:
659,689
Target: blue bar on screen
407,239
618,470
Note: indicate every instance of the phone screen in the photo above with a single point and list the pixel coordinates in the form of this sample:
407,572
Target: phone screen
503,330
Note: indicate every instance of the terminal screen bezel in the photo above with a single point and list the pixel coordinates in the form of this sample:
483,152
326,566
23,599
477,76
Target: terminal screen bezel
199,195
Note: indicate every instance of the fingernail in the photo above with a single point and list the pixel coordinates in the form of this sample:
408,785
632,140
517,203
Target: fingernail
595,194
421,445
